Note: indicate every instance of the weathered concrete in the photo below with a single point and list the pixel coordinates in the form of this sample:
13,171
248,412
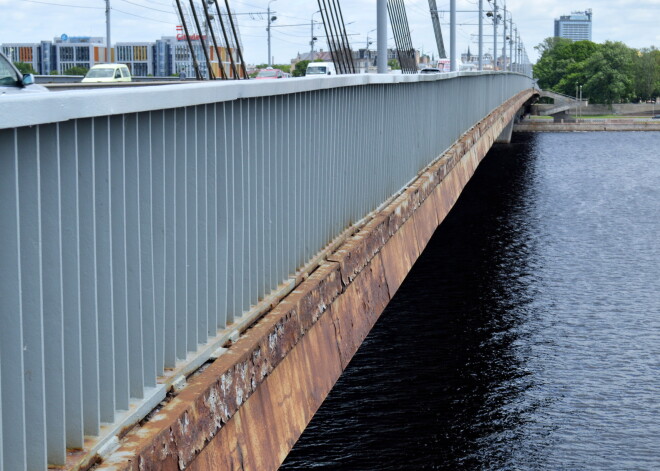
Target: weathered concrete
246,410
505,135
601,125
624,109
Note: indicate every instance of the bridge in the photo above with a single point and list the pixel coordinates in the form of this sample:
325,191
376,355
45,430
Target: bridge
187,269
562,104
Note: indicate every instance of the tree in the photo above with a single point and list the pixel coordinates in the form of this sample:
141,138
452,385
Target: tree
656,59
286,68
647,73
610,72
393,64
24,68
76,71
560,60
300,69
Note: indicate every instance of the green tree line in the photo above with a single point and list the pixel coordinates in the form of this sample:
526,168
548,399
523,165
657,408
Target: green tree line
610,72
26,68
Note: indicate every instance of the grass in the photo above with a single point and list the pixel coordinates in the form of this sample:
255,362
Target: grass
598,116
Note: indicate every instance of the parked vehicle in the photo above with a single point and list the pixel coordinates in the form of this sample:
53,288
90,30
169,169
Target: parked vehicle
270,73
321,68
102,73
13,81
430,70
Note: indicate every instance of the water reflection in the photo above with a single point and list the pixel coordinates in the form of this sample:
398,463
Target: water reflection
496,352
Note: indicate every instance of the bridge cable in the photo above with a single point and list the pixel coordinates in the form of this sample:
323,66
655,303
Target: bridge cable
189,41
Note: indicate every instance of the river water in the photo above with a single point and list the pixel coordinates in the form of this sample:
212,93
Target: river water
527,335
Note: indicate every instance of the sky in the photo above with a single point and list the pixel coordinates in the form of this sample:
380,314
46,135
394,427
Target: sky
633,22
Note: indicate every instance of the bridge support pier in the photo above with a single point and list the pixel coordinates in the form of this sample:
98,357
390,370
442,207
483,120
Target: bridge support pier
507,132
247,408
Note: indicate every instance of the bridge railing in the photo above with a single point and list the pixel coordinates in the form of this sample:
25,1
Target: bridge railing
139,226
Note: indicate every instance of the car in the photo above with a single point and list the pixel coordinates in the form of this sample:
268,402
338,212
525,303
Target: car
430,70
13,81
270,73
656,116
108,73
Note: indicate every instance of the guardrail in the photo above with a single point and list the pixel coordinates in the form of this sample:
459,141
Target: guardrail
138,226
47,79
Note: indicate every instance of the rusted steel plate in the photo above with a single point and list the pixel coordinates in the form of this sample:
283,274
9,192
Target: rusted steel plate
315,295
398,258
246,409
362,247
426,221
263,431
356,311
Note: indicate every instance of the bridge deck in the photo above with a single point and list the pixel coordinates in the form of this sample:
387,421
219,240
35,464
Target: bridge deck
144,227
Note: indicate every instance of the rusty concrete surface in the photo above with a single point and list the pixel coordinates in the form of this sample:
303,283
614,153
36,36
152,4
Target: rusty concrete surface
246,410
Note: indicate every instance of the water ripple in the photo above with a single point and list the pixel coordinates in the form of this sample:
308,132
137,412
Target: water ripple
527,336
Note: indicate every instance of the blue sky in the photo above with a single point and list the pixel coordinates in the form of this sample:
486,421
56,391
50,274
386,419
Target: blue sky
632,22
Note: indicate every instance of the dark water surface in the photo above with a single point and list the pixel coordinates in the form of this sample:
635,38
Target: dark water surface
527,335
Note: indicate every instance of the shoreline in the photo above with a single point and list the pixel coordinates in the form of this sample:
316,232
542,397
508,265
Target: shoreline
600,125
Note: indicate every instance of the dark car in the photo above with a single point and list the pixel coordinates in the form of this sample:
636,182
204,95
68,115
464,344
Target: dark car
656,116
12,81
430,70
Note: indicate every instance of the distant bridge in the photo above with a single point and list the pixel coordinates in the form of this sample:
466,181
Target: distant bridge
562,104
187,269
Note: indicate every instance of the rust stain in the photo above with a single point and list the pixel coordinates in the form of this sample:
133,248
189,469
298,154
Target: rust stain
247,409
287,399
426,221
396,262
356,311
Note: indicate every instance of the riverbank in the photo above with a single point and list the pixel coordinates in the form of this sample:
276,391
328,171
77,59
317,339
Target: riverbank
590,125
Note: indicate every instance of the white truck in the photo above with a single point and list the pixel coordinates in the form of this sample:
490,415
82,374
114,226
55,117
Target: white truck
320,68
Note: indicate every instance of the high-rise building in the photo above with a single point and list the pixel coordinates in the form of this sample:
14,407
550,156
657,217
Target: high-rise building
576,26
23,52
167,56
58,55
139,57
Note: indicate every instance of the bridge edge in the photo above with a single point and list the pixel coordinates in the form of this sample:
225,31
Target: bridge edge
217,416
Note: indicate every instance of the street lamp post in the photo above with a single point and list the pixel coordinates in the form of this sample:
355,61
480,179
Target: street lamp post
481,34
504,40
494,34
108,57
270,20
510,44
453,64
367,55
580,101
313,39
494,15
517,50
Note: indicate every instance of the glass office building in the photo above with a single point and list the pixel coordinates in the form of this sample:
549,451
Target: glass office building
576,26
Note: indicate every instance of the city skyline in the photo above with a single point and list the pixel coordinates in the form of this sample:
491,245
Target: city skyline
147,20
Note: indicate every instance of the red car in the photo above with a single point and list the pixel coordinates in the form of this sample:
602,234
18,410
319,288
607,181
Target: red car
270,73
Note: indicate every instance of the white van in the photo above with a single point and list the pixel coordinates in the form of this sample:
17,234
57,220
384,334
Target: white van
108,73
321,68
